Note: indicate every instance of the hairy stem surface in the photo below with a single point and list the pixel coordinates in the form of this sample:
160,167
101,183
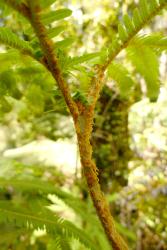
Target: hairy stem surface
83,120
83,127
99,201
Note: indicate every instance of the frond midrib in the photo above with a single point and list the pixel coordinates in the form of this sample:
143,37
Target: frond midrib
29,217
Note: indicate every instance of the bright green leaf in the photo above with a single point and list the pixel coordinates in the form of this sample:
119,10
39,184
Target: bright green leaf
53,32
56,15
120,74
146,63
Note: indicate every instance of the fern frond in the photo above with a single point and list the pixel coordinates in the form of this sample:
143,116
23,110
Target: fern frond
156,42
64,243
34,185
46,3
131,26
9,58
68,63
43,220
9,38
121,75
54,244
84,58
146,63
8,84
64,43
56,15
53,32
42,187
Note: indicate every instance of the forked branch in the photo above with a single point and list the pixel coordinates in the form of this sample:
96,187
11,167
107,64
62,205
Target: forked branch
83,119
83,114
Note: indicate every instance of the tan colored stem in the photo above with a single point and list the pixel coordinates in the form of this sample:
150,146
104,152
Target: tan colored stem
83,120
90,172
20,7
48,49
83,132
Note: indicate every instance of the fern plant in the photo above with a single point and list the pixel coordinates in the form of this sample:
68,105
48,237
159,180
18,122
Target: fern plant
32,211
29,213
142,52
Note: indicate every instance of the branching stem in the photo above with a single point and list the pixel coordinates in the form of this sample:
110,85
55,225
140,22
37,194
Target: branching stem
82,114
91,174
52,61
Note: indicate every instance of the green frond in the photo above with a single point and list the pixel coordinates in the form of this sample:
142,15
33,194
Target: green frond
64,243
52,16
9,58
156,42
36,103
22,217
46,3
56,15
84,58
53,32
145,9
58,46
59,244
27,71
128,24
132,25
42,187
120,74
34,185
7,82
8,85
9,38
146,63
64,43
68,63
5,106
54,244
